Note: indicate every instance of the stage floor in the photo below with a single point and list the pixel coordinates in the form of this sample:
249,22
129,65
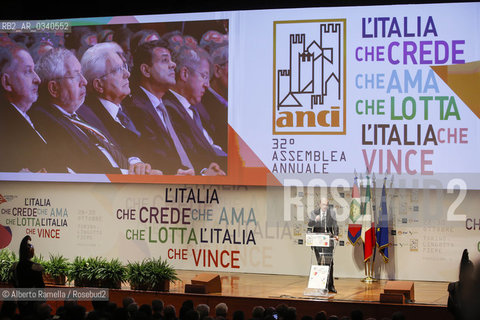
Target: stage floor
292,287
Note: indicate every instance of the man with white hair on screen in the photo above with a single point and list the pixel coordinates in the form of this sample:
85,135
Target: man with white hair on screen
80,145
107,76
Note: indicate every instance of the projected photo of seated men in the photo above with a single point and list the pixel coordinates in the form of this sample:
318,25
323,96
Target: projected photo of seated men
111,109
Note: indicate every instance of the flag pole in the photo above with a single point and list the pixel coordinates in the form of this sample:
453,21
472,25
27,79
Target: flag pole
360,182
369,279
374,198
362,201
391,195
368,264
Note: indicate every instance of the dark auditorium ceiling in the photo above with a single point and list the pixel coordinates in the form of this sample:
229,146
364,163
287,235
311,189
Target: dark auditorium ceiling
18,10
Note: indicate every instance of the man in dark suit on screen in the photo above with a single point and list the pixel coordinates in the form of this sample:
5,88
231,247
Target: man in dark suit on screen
324,220
154,75
108,84
215,99
183,105
23,148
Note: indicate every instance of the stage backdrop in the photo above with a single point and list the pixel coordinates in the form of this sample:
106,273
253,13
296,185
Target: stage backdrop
234,229
322,92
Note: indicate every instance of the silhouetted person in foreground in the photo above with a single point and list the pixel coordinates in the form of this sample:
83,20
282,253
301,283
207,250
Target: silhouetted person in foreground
459,292
27,274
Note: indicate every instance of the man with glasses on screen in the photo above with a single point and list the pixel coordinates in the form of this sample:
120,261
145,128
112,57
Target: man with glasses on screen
79,144
23,146
189,119
107,77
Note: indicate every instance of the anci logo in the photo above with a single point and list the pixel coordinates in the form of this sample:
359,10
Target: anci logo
309,77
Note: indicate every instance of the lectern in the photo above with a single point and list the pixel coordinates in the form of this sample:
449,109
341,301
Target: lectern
323,247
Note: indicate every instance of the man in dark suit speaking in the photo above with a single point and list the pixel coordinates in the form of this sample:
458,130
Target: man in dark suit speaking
324,220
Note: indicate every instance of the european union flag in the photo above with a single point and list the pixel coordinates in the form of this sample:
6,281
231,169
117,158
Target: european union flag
382,227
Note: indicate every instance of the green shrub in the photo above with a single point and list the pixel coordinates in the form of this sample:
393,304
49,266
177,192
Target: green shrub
7,261
111,273
150,274
57,266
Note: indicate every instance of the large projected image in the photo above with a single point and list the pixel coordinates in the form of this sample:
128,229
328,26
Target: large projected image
313,97
131,99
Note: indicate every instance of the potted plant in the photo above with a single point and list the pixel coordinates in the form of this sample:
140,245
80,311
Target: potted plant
83,272
94,267
76,271
136,275
7,261
151,274
56,269
111,274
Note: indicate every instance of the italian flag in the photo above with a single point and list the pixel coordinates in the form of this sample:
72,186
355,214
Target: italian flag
368,226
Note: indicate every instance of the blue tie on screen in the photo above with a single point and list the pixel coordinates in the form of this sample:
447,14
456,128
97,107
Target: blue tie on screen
126,122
